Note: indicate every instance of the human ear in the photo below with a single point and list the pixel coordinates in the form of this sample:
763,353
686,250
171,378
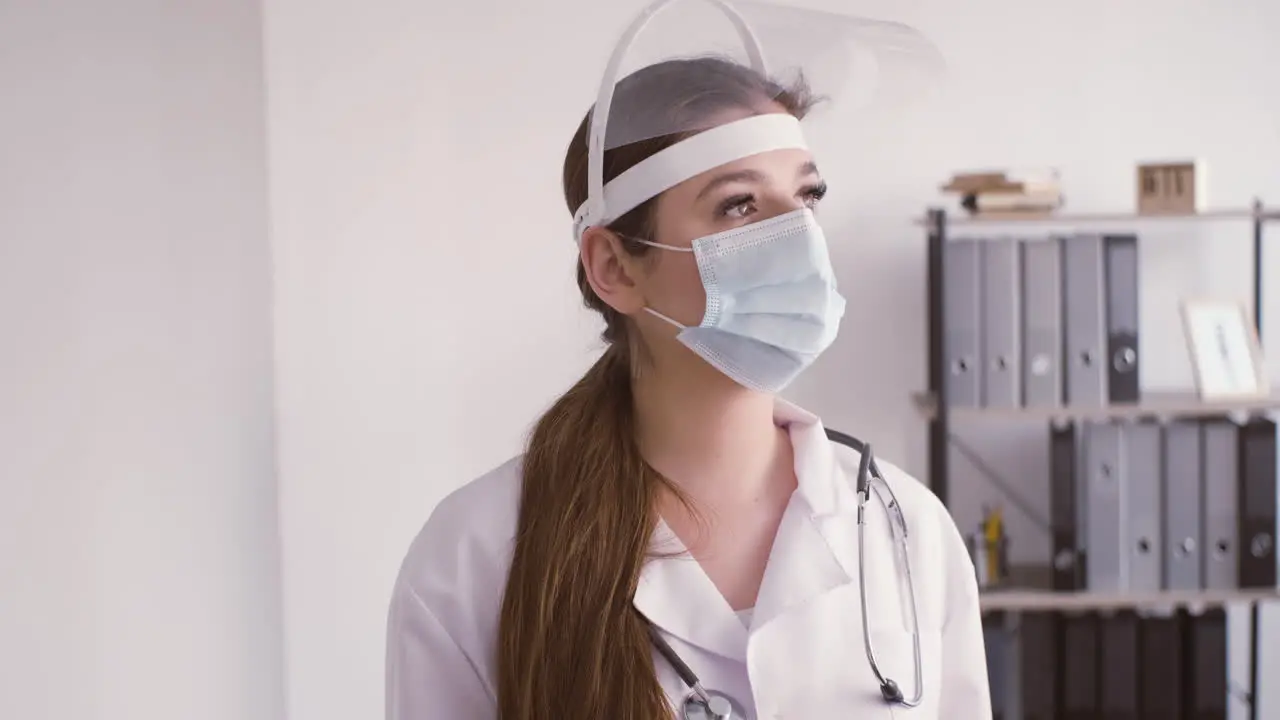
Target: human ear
610,270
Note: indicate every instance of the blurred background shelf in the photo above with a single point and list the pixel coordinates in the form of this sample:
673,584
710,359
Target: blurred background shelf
1153,404
1256,213
1047,600
1105,474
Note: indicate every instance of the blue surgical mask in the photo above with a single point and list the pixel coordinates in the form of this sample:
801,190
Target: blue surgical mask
772,303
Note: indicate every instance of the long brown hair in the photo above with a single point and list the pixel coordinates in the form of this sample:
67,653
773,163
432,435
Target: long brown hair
570,646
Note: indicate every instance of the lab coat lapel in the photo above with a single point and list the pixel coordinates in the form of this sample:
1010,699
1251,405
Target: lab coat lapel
675,594
802,564
816,550
814,553
808,639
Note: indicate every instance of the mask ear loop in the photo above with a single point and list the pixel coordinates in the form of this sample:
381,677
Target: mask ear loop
593,210
651,243
660,316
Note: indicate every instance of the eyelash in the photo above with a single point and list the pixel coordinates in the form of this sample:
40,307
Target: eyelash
812,194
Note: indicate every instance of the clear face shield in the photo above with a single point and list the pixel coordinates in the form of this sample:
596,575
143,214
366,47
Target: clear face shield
725,106
708,82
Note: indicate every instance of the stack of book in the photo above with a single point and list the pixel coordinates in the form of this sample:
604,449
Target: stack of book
1005,194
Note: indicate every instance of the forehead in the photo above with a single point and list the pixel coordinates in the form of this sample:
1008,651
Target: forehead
781,168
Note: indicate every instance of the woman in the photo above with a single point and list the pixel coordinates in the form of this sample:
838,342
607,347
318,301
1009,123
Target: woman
670,488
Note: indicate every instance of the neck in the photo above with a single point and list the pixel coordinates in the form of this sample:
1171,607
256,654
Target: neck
714,439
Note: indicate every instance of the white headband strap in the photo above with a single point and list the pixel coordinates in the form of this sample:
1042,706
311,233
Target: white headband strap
688,158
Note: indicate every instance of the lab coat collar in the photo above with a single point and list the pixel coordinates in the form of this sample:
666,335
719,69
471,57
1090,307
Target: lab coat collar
815,462
676,595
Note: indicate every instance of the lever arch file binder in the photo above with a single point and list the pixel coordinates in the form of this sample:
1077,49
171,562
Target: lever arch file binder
1219,496
1121,268
1002,323
1080,645
1183,500
1065,509
1257,504
962,287
1085,320
1042,380
1118,665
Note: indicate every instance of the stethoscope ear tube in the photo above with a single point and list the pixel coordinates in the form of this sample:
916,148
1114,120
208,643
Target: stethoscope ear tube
863,484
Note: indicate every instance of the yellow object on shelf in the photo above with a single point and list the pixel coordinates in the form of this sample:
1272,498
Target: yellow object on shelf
993,534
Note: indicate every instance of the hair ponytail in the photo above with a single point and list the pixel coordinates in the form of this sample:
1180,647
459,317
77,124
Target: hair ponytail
571,646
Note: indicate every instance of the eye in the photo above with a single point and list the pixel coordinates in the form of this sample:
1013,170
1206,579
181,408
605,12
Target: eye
813,194
737,207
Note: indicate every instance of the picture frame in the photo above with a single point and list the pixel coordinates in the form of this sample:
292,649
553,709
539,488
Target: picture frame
1226,355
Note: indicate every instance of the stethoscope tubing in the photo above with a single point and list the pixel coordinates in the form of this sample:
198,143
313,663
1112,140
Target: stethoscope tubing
687,676
888,688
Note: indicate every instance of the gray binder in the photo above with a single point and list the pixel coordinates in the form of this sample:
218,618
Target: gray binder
1183,549
1085,321
1108,563
1124,464
1002,323
962,288
1042,323
1123,383
1220,504
1142,463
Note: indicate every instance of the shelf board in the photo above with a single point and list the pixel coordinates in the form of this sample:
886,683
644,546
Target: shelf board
1153,404
960,219
1033,600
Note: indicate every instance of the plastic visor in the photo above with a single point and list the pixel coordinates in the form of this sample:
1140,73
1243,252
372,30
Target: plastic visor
709,75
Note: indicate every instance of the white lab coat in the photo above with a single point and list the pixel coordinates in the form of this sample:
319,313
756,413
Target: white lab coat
802,656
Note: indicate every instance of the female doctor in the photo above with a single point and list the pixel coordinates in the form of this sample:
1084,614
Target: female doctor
677,541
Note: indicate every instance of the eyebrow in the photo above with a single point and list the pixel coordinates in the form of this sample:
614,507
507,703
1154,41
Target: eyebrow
807,169
730,177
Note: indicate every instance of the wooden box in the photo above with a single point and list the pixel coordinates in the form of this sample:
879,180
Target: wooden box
1171,188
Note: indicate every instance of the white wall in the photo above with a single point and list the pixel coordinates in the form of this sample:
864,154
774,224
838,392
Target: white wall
138,535
425,305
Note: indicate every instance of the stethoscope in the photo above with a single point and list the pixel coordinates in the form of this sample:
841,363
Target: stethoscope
703,704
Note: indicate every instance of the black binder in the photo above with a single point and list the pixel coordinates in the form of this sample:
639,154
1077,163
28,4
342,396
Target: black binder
1160,667
1205,665
1118,667
1257,498
1068,561
1120,264
1038,665
1078,697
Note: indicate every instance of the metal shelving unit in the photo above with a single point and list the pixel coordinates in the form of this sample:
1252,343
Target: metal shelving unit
1153,405
932,405
933,402
1037,600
